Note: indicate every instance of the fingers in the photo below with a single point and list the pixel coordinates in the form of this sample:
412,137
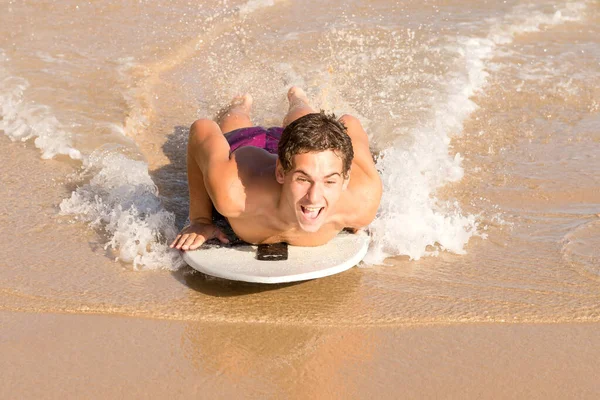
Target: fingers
193,241
179,241
198,241
221,236
188,241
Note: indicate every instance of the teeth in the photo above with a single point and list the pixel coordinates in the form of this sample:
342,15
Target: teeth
312,208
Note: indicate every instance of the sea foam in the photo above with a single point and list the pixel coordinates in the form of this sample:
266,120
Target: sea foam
23,120
122,200
411,220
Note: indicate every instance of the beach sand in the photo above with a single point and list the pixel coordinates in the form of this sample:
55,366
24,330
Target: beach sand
55,356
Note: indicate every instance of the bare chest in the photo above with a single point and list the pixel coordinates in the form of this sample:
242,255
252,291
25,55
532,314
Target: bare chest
260,230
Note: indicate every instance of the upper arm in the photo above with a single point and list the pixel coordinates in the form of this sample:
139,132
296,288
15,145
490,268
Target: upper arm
365,184
360,144
219,171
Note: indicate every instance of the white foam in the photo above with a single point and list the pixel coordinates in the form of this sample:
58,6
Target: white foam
526,19
137,96
23,120
253,5
411,220
122,200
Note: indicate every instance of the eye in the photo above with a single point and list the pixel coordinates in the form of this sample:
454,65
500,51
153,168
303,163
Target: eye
331,182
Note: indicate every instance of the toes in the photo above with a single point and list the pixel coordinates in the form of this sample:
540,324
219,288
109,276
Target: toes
292,92
297,95
241,100
237,100
296,91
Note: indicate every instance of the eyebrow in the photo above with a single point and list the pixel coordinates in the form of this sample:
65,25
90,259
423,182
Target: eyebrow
326,176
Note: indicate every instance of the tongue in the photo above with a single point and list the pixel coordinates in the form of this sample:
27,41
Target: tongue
312,214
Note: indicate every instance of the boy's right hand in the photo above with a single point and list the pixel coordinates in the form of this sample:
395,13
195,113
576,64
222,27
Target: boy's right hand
194,235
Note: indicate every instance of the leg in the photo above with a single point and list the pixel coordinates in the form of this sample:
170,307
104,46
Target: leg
236,115
299,105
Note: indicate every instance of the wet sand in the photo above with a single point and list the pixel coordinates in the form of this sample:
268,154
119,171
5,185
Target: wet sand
75,356
261,344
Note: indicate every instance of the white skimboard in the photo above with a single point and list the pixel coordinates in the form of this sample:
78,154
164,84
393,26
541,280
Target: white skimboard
240,263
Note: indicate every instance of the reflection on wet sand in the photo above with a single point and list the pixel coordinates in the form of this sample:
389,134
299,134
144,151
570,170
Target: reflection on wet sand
289,361
323,301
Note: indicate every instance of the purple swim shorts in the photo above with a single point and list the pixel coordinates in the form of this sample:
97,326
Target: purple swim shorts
256,136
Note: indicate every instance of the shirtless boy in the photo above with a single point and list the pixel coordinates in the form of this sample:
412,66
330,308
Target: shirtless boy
301,185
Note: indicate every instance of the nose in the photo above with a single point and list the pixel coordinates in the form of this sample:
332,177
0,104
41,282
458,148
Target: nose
315,193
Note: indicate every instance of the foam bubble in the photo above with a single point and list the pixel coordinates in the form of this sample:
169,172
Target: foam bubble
23,120
122,200
581,247
526,19
137,96
411,220
253,5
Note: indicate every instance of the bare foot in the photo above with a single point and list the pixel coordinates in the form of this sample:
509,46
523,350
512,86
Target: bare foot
236,114
242,102
299,105
297,97
240,105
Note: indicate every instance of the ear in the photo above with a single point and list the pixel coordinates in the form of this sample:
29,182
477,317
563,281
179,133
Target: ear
346,181
279,174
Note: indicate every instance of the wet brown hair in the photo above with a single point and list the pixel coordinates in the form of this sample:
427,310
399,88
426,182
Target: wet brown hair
315,133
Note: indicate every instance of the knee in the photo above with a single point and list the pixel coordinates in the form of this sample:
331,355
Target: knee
202,125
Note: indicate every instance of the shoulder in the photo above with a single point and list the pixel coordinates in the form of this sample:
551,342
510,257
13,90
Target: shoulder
360,144
365,188
365,182
355,130
350,121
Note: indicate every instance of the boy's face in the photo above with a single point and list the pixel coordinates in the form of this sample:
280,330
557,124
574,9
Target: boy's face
312,187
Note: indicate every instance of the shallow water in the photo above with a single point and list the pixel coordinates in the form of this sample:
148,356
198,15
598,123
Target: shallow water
485,116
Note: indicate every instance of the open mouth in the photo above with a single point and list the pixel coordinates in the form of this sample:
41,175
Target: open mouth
311,213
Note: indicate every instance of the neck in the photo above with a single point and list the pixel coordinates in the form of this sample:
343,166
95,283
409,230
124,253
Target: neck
286,216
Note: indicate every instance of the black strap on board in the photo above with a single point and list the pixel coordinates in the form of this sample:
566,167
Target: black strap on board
272,252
